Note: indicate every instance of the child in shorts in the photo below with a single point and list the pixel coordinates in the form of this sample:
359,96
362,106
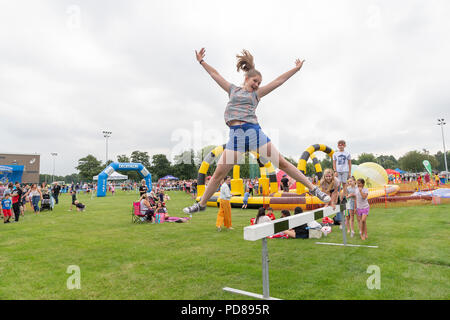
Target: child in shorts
6,208
342,164
351,205
362,207
245,199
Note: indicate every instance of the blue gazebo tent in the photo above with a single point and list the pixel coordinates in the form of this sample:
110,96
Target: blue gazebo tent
169,177
400,171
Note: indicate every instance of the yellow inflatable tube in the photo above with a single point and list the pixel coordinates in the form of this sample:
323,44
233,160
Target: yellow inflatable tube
290,200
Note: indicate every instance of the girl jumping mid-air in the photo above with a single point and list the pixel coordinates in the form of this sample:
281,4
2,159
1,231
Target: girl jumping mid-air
245,132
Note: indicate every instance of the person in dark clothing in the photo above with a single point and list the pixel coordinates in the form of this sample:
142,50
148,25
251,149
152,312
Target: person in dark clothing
17,201
297,232
55,191
284,183
74,199
143,189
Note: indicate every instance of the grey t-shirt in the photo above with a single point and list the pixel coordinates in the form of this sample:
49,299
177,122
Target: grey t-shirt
341,159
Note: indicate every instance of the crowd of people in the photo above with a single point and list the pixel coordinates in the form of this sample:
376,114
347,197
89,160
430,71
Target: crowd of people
422,179
16,197
152,205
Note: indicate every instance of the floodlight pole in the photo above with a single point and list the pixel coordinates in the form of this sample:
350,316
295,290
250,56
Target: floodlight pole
107,134
54,154
441,123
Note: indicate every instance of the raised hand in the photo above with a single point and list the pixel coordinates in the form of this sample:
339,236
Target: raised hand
200,55
299,63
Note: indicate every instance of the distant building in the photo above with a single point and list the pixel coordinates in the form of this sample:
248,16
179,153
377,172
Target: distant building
30,163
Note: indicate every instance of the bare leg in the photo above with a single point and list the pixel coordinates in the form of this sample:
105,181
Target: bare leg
290,233
224,165
352,220
270,152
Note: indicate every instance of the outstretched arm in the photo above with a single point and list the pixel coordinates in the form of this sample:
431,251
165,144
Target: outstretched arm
262,91
224,84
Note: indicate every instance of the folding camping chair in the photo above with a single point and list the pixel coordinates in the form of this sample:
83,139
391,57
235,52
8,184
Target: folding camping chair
136,216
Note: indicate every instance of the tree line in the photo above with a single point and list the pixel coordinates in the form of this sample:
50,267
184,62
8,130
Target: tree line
186,164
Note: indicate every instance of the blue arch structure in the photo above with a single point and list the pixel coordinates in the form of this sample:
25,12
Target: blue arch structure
119,166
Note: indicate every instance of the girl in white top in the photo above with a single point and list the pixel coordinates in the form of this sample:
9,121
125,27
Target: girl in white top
36,195
362,207
350,194
261,216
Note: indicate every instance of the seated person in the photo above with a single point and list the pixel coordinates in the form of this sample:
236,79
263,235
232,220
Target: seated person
152,197
146,208
79,206
161,209
297,232
270,214
261,216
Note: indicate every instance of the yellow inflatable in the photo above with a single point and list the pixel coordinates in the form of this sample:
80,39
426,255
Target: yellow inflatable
374,175
271,196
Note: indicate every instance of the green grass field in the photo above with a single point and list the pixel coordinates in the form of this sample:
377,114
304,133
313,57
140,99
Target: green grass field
121,260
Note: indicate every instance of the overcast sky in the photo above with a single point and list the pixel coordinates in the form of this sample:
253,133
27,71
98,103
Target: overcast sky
376,74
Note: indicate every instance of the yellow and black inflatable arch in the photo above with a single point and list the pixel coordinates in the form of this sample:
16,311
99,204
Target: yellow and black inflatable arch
202,172
309,153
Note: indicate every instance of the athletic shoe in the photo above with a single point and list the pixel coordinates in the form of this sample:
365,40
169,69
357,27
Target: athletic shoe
352,234
321,195
196,207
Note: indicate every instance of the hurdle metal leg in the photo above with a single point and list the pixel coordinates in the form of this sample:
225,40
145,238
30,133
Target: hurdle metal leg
265,277
265,269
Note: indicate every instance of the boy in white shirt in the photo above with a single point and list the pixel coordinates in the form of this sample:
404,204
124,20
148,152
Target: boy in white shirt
342,164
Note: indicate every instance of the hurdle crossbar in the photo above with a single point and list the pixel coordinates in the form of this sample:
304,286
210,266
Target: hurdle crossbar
266,229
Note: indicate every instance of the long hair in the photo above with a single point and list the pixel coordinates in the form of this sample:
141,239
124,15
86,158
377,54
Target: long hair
322,181
261,213
246,63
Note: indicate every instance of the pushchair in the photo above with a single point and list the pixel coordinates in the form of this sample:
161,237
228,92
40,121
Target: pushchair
46,202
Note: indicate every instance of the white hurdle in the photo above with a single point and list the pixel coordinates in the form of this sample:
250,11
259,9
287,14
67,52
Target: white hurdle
266,229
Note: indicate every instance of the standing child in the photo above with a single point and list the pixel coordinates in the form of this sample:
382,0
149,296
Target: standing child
6,208
245,200
351,205
245,131
74,199
224,214
362,207
342,164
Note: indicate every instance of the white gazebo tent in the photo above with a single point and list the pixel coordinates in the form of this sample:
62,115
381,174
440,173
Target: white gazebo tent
115,176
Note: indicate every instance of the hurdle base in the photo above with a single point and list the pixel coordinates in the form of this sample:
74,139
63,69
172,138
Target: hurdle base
250,294
345,245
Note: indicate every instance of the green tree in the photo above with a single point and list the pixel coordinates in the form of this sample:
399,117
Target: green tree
439,156
326,163
160,166
413,161
184,166
366,157
387,162
141,157
123,158
88,167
